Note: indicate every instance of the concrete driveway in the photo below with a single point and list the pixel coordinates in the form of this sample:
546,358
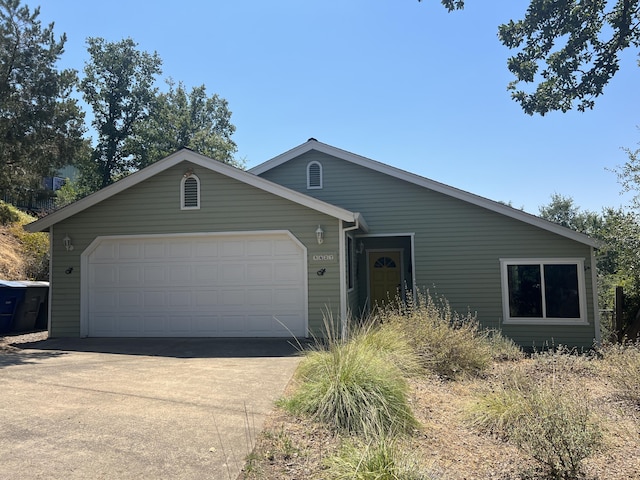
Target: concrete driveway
151,408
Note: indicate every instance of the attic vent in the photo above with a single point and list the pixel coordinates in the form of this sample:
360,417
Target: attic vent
314,175
190,193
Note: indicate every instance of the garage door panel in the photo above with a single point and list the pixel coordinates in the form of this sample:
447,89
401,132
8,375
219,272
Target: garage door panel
217,285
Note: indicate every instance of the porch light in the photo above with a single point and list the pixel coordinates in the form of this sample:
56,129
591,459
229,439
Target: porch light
360,248
66,241
320,235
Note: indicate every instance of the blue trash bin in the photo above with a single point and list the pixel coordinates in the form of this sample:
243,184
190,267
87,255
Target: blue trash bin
11,295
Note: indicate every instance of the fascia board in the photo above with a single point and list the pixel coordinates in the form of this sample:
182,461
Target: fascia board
426,183
44,223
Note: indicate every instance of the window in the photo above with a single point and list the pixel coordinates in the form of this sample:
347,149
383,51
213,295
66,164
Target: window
314,175
190,192
350,263
543,291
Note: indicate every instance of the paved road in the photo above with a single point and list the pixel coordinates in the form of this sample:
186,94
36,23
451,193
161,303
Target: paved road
153,408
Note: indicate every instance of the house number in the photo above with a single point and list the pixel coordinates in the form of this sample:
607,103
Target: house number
323,258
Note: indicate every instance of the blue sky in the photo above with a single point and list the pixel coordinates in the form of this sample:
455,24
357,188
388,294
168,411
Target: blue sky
398,81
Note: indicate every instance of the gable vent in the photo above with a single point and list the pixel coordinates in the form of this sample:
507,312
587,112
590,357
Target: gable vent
190,193
314,175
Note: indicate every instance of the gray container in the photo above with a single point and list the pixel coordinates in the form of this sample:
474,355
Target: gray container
30,308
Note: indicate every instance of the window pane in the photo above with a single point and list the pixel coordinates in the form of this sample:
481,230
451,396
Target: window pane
561,291
525,296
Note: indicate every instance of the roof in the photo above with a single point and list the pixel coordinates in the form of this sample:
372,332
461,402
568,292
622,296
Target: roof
186,155
313,144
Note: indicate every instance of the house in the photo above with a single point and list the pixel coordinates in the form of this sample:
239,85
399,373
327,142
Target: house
192,247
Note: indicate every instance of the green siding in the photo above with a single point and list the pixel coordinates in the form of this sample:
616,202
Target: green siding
457,244
153,207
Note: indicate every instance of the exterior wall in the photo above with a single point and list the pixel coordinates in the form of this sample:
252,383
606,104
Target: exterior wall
458,245
153,207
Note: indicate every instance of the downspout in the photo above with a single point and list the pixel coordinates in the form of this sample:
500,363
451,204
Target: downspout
50,294
343,276
596,308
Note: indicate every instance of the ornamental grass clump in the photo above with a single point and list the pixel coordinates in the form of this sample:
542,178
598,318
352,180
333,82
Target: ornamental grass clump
381,459
355,385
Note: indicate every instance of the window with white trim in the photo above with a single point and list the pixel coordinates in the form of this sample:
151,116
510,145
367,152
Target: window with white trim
543,290
190,192
314,175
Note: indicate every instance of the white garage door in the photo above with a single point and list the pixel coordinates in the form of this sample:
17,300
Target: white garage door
245,285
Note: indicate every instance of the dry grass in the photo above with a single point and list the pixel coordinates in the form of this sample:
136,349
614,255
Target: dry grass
11,259
449,444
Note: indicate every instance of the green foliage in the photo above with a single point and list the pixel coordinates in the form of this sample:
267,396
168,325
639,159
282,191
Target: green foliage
448,344
34,247
354,387
41,126
568,49
622,364
546,422
118,85
8,214
185,119
382,459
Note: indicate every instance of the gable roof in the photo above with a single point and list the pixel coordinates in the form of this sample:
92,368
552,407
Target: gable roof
186,155
313,144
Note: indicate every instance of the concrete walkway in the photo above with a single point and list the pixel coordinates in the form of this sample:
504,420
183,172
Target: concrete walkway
125,409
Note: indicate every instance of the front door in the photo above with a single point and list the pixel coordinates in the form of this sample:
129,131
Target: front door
385,276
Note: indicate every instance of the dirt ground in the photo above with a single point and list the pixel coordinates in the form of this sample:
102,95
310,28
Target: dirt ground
295,448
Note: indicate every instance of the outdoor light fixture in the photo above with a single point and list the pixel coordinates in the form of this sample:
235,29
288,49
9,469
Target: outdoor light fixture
320,235
67,243
188,173
360,248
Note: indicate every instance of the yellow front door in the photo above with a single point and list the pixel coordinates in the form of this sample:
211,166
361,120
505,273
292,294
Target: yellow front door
384,277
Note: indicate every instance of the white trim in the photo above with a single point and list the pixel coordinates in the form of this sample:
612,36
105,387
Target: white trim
84,265
182,192
594,288
314,187
343,280
50,297
186,155
497,207
582,301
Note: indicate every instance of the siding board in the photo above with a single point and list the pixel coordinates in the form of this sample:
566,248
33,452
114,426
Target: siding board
458,245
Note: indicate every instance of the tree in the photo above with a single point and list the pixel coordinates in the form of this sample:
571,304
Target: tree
563,211
41,126
570,49
118,85
180,119
629,175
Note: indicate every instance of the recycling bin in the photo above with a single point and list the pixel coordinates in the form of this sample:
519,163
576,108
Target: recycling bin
11,295
32,304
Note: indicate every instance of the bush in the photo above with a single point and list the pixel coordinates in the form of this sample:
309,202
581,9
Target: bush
448,344
354,385
622,363
544,421
32,248
379,460
8,214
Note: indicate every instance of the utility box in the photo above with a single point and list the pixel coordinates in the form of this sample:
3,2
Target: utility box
11,295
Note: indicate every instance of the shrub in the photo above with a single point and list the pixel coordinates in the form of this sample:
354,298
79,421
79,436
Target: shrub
8,214
382,459
550,425
33,248
622,363
448,344
355,386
